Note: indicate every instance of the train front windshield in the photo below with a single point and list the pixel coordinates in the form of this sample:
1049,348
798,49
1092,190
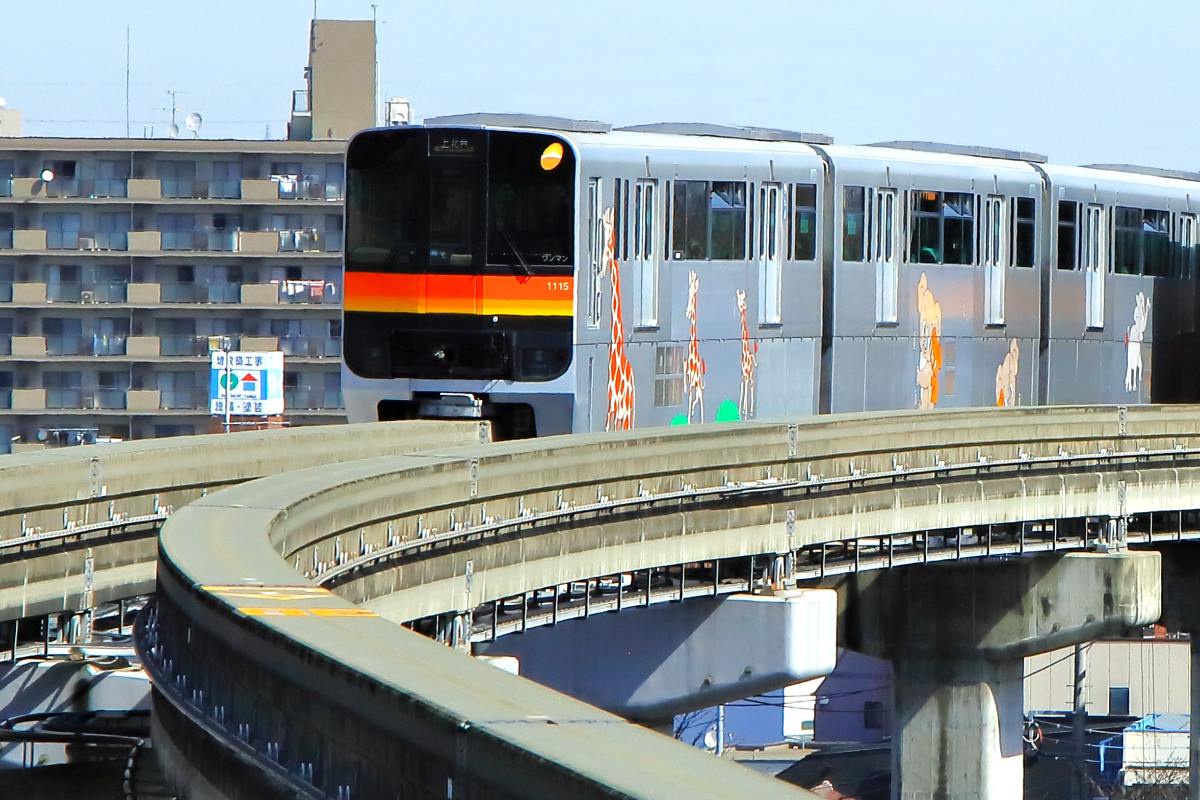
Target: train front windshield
460,255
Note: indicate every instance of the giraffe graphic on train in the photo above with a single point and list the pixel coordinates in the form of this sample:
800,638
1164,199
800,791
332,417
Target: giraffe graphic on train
693,367
620,372
749,362
929,358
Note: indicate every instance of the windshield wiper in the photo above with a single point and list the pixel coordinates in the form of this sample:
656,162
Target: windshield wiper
516,250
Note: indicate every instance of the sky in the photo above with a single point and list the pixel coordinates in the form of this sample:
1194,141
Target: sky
1082,81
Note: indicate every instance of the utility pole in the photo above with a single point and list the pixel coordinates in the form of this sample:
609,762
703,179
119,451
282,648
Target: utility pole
720,730
1079,723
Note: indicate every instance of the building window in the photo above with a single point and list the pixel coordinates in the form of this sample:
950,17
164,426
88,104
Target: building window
112,179
112,231
226,181
804,222
709,220
177,178
854,217
1068,241
873,715
177,231
1024,231
943,230
1118,701
62,230
6,175
1141,244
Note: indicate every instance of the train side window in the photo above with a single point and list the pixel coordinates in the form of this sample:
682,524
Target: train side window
1068,234
1156,243
1127,227
854,212
1024,231
625,218
1185,266
958,220
804,222
689,220
727,221
618,217
595,241
943,228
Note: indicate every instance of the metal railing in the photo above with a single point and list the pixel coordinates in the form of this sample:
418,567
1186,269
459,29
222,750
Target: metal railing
181,293
303,240
110,187
183,345
6,292
308,398
310,346
308,292
6,239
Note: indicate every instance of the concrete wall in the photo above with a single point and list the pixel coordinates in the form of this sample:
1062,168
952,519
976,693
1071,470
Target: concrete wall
1156,672
342,77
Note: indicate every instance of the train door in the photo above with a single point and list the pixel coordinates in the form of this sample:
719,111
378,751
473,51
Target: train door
885,250
1095,265
770,253
1185,238
993,258
646,249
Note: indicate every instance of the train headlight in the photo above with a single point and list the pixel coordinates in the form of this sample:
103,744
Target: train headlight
552,156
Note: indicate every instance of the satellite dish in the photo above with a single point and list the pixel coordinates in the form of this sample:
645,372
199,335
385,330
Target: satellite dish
710,739
173,131
193,122
3,102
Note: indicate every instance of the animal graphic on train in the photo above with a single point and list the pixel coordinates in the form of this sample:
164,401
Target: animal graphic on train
749,361
1135,334
621,393
929,359
694,366
1006,376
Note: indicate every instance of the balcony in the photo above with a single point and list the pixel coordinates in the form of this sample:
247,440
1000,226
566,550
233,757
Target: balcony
111,292
109,344
6,239
6,186
224,292
143,347
182,293
69,345
29,293
333,242
183,345
5,344
65,187
6,292
28,399
28,346
307,292
144,294
5,399
144,189
145,241
225,189
28,239
223,240
309,346
110,187
184,240
259,294
184,189
142,399
108,398
59,292
183,399
306,398
62,240
64,398
310,187
303,240
111,240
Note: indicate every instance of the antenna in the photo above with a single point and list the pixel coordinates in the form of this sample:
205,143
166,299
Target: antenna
193,121
173,131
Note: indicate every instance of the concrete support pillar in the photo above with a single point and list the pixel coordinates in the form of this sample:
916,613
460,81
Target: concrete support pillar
958,634
1181,612
963,718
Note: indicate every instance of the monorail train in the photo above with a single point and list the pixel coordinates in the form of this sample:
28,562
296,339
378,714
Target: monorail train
562,276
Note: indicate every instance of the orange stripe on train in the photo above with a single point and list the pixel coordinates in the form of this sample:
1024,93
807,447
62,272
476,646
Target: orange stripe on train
510,295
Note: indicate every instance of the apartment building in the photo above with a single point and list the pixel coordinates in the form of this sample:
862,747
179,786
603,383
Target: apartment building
124,261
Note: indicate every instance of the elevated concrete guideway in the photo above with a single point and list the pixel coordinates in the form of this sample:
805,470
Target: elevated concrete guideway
449,534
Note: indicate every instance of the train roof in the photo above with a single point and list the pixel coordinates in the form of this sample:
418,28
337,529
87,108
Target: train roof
700,136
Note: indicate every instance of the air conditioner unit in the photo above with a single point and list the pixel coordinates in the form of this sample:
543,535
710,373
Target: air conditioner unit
87,296
87,243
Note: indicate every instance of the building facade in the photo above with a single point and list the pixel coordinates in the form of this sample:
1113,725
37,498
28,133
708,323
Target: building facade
123,262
